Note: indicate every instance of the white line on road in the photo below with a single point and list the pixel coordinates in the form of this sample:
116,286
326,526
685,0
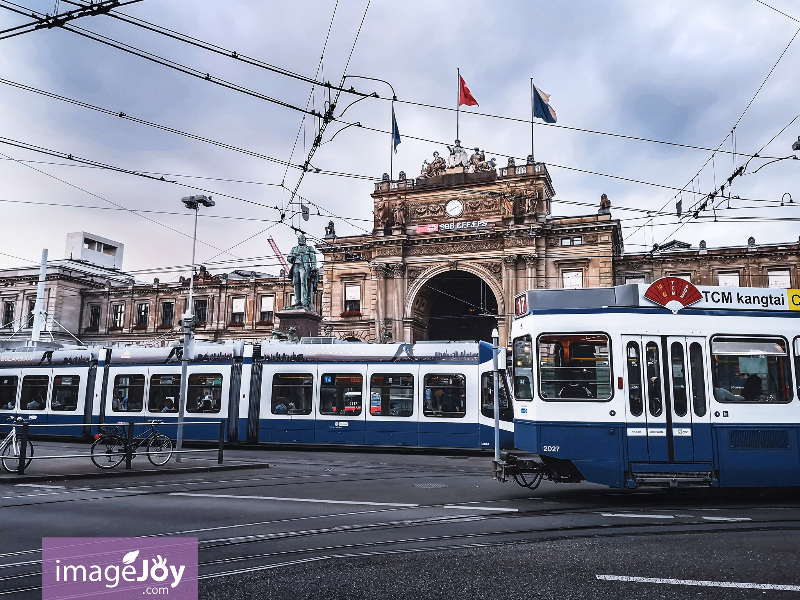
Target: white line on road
313,500
694,582
36,485
636,516
483,508
731,519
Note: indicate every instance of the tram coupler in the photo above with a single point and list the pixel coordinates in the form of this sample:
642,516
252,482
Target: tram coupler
516,465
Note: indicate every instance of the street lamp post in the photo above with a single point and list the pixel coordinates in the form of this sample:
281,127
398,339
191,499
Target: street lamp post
496,391
192,203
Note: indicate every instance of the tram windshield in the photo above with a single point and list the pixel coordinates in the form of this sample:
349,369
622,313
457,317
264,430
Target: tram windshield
797,362
751,369
574,367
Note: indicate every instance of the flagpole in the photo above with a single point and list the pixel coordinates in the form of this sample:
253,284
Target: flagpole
391,145
533,159
458,98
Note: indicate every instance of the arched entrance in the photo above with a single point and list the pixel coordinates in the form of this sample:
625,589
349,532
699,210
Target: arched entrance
457,305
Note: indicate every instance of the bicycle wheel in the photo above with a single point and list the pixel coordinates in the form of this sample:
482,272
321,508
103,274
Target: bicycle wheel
108,451
159,449
11,456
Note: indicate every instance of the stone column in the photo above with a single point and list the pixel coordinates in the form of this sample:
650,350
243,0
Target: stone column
380,296
541,262
395,272
531,280
509,286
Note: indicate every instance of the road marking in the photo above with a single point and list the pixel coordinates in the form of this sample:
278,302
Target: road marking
694,582
636,516
312,500
36,485
731,519
484,508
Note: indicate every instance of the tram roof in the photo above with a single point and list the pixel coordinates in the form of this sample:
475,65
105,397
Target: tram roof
450,352
669,297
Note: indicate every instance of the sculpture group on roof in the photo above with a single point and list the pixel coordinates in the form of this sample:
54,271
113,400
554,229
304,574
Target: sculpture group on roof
458,158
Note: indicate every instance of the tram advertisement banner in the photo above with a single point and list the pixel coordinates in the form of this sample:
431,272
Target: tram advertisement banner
739,298
119,568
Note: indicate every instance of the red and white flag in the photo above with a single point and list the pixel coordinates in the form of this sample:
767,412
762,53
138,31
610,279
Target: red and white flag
464,95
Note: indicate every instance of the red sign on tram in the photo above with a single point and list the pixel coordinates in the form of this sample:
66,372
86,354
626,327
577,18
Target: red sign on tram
521,305
673,293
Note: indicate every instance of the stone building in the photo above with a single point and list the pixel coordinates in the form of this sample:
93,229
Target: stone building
751,265
451,248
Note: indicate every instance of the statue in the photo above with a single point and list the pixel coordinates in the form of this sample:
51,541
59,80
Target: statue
304,274
330,231
381,214
477,162
605,205
458,156
434,168
399,214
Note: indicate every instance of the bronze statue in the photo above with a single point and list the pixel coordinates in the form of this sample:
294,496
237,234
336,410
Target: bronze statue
304,274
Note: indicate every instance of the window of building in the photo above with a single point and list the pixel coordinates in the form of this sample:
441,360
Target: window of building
94,317
391,395
633,359
142,314
237,310
352,298
65,393
728,279
577,241
340,394
445,396
572,280
34,392
168,313
31,311
8,392
572,241
566,241
165,393
201,311
636,279
779,278
128,394
574,367
750,369
118,316
686,276
8,314
487,397
291,393
523,368
267,314
204,393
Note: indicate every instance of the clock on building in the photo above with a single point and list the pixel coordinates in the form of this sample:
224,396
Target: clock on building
454,208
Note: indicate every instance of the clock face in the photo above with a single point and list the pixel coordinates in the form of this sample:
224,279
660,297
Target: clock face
454,208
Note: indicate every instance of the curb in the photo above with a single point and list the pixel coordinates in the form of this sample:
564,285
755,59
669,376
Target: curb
126,473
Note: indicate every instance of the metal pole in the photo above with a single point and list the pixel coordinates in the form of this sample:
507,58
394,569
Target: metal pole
495,352
129,445
23,449
391,146
221,441
38,310
532,117
188,347
458,100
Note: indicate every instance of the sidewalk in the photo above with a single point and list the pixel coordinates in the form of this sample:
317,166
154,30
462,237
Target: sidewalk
199,460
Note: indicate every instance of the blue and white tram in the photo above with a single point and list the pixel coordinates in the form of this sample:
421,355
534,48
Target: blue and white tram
666,385
425,394
431,394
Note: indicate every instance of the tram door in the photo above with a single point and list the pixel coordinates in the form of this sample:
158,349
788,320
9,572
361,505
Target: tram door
667,417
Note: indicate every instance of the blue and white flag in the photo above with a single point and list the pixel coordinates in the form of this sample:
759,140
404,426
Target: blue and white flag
395,132
541,106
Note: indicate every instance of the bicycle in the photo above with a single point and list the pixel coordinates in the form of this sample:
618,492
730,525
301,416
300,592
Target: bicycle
111,444
10,447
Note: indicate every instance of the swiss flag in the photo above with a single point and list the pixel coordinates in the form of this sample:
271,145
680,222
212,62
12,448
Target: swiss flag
464,95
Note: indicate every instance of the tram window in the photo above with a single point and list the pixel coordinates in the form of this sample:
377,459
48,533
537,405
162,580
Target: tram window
291,393
653,368
680,401
445,396
523,368
340,394
574,367
128,395
696,373
8,392
65,393
797,363
487,397
391,395
751,369
34,392
165,393
204,393
634,379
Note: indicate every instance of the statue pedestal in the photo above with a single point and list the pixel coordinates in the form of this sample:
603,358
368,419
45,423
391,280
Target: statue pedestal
304,321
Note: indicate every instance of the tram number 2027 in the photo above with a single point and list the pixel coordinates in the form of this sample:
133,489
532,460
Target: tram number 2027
550,448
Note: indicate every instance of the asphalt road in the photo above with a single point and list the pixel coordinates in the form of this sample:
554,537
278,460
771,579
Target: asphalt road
416,526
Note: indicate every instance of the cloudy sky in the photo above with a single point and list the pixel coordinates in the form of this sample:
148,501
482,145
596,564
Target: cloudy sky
645,93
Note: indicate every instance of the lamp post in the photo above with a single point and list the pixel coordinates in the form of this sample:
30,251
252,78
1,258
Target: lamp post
391,125
192,203
496,390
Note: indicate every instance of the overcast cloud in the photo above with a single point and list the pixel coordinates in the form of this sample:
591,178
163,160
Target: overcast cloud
681,72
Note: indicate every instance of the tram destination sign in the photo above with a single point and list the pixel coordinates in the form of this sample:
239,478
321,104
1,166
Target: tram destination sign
452,226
